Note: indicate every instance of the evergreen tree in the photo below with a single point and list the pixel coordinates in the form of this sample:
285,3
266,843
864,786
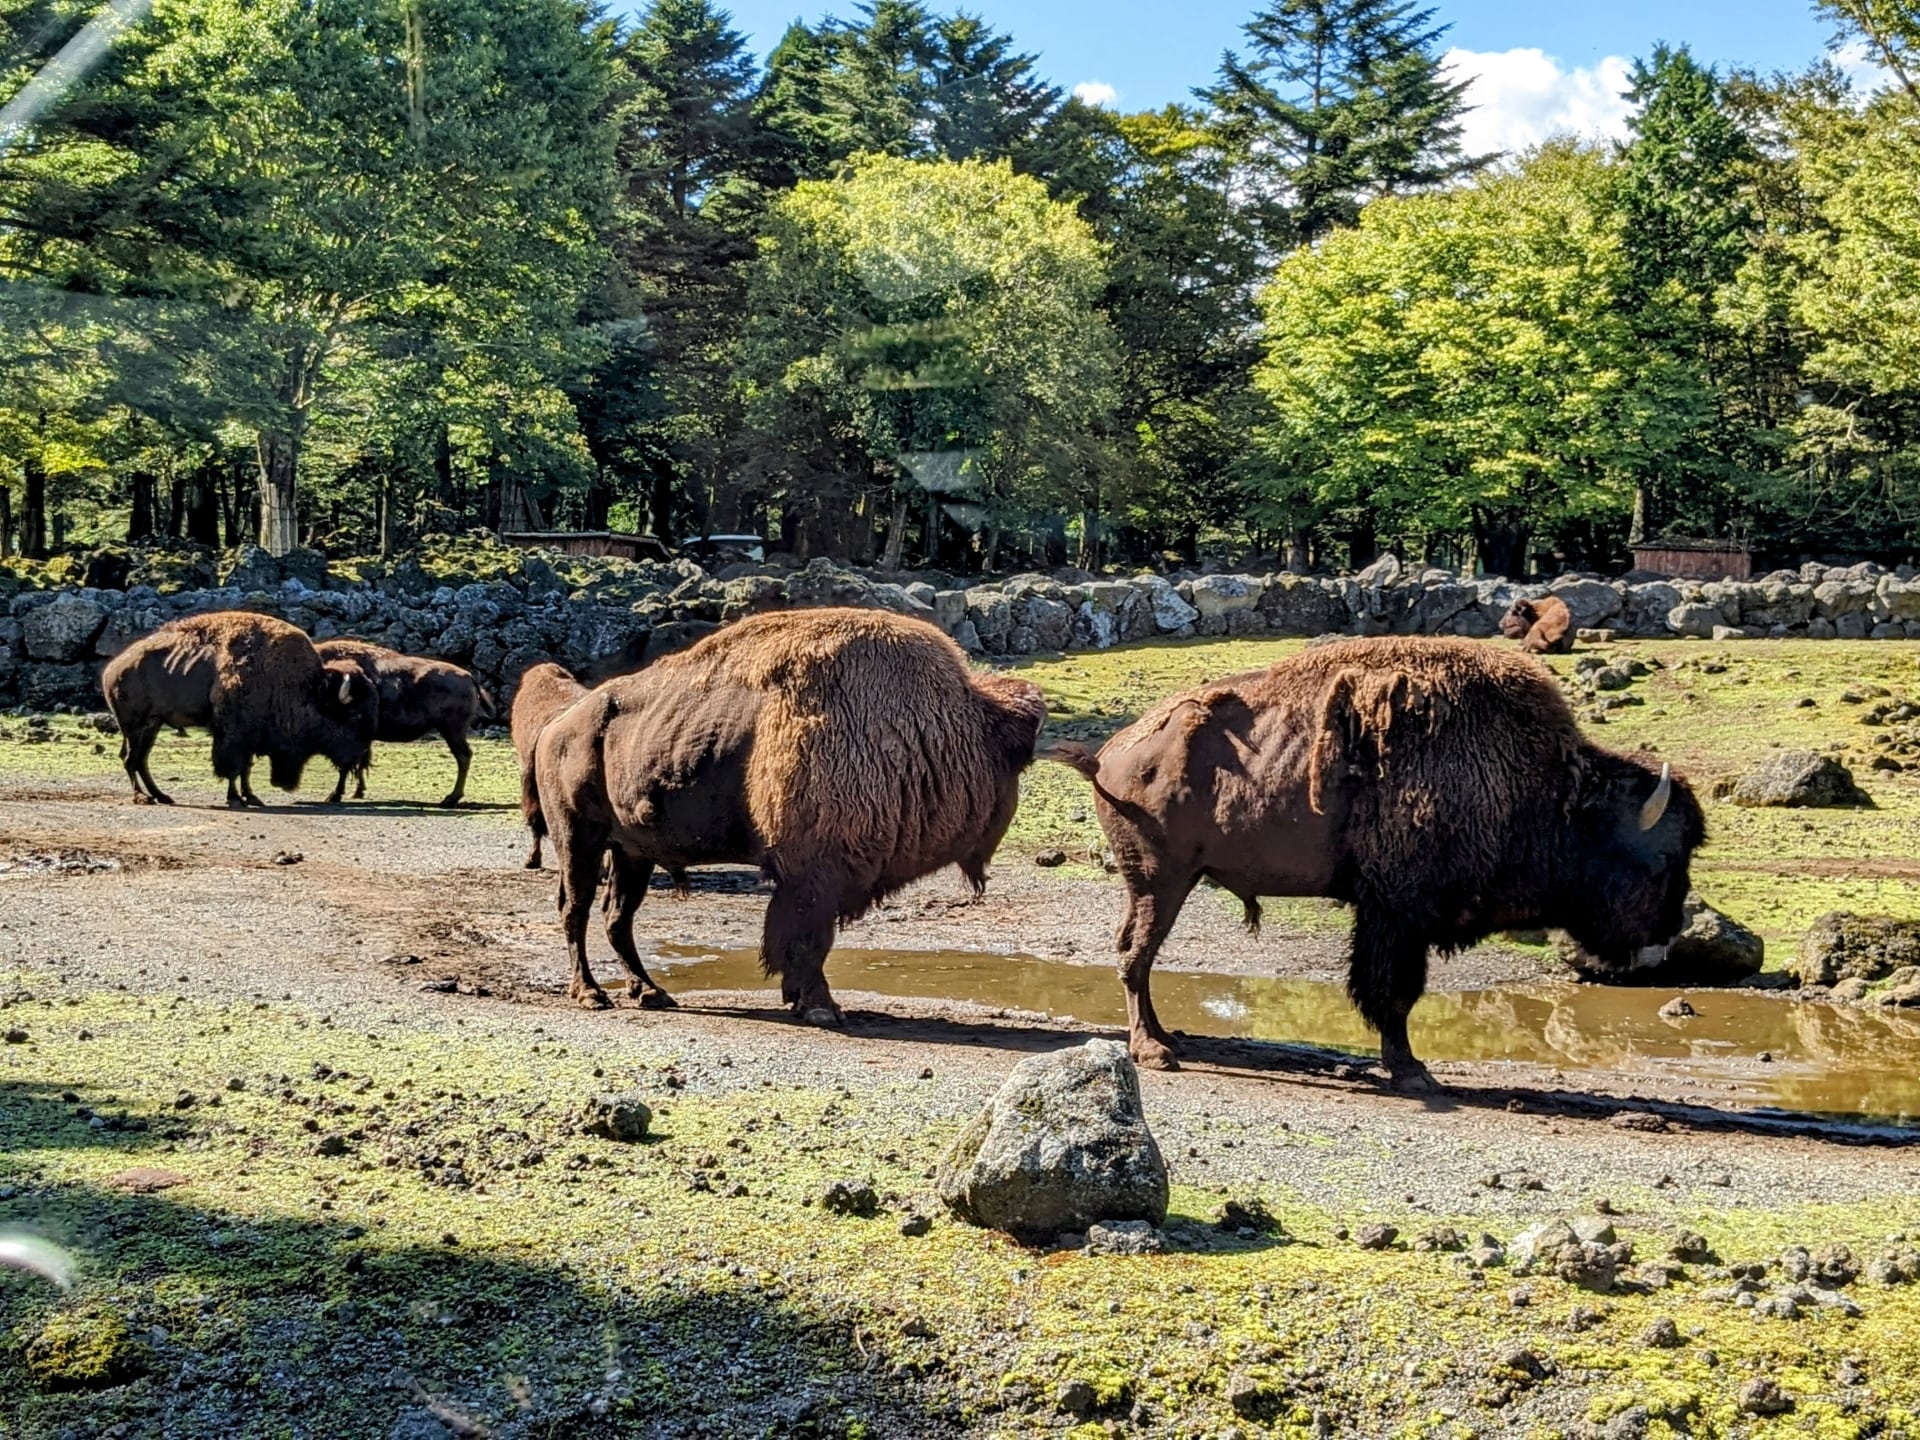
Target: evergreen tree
1334,103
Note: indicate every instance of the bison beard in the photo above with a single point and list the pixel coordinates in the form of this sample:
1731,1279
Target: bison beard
257,683
1439,787
418,697
1543,627
845,752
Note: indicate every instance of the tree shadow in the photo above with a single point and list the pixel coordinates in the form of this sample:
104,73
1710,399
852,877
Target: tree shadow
239,1327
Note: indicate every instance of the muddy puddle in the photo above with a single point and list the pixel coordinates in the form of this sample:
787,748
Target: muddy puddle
1741,1047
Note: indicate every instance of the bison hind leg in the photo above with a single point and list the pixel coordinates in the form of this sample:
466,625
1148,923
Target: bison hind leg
626,888
1250,913
798,933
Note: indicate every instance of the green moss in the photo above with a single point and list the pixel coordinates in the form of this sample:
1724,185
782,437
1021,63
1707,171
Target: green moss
82,1350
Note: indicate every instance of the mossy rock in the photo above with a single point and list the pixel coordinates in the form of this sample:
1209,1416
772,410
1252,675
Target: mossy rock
84,1350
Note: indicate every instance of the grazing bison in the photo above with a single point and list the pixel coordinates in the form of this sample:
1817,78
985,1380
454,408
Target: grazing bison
544,691
418,697
844,752
1543,627
1439,787
256,683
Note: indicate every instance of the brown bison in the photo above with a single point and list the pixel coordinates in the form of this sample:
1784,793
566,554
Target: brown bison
544,691
257,683
1543,627
1439,787
418,697
844,752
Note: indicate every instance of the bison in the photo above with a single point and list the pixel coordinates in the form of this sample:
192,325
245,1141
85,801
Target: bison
418,697
544,691
846,753
257,683
1438,787
1543,627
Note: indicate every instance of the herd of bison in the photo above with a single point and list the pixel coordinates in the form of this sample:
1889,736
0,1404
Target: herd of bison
1439,787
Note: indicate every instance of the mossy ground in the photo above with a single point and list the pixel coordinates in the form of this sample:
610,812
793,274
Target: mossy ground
320,1270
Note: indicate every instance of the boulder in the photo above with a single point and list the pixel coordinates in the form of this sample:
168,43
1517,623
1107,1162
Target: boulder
622,1117
1171,614
1300,605
1801,779
254,569
1215,595
1696,619
1590,601
1844,946
1063,1146
1381,573
63,631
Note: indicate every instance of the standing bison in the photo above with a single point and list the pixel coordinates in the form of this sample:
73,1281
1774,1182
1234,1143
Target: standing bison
1543,627
544,691
256,683
418,697
844,752
1439,787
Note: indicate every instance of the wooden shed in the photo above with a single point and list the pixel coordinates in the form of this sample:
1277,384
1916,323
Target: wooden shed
591,542
1694,559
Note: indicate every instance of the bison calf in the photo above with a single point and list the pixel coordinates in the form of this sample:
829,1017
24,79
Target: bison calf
1543,627
844,752
1439,787
418,697
257,683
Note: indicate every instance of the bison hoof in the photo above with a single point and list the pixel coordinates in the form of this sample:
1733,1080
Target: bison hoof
451,802
652,997
234,802
826,1017
1152,1055
1414,1079
532,862
142,798
594,999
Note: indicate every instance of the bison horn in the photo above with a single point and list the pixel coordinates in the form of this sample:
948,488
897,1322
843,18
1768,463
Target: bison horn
1656,805
346,693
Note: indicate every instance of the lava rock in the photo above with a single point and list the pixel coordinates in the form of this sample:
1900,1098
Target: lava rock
1841,945
1124,1237
849,1197
1662,1334
1376,1237
85,1350
1799,778
623,1117
1063,1146
1763,1396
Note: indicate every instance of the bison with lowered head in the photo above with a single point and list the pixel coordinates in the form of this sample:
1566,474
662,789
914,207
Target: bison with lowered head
1543,627
418,697
544,691
1439,787
257,683
844,752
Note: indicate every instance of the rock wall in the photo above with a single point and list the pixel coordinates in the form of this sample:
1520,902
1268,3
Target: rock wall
604,616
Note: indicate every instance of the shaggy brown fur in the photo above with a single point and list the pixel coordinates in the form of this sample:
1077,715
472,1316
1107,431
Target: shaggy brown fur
418,697
845,752
1543,627
1440,787
257,683
544,691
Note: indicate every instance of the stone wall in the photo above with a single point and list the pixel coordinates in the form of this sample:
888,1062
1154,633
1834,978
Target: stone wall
612,615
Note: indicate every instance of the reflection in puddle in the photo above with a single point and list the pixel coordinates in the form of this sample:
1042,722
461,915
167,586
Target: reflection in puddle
1827,1059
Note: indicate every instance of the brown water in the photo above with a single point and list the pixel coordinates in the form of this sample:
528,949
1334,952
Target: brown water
1826,1059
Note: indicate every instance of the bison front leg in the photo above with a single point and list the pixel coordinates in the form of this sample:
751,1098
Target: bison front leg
1386,975
339,793
794,944
626,888
1150,916
579,878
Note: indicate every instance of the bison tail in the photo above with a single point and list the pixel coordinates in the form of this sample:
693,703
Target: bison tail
1074,755
488,711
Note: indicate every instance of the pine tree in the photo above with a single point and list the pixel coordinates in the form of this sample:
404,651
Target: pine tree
1336,102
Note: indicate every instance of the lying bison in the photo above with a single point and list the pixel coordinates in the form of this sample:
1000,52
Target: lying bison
844,752
544,691
1439,787
418,697
256,683
1543,627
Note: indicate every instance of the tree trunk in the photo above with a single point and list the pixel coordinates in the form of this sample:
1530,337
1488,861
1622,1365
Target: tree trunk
33,510
1089,558
140,516
443,467
6,521
1637,531
1363,543
660,502
386,515
200,505
176,505
1299,549
891,557
279,452
1502,543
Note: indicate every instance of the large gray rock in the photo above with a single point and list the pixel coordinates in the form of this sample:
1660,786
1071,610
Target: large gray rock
63,631
1798,778
1171,614
1064,1145
1215,595
1695,618
1590,601
1844,946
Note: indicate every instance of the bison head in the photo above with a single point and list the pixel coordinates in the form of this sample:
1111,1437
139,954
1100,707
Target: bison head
1015,712
1634,833
1518,620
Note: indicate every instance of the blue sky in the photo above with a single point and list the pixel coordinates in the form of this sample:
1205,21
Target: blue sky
1149,52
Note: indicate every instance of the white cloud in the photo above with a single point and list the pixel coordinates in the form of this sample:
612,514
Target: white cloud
1521,97
1095,92
1855,61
